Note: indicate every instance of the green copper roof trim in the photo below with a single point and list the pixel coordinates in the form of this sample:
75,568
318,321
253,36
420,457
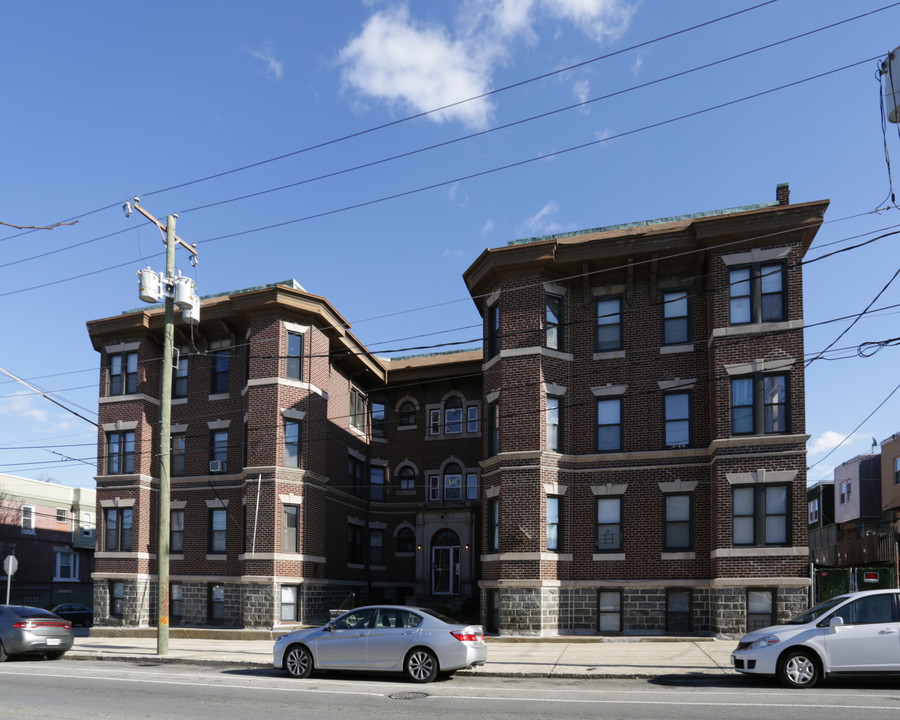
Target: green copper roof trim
428,355
646,223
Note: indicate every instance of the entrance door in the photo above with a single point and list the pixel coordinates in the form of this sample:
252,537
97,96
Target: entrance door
445,570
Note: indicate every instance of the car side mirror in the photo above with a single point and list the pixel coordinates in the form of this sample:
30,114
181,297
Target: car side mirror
835,622
330,627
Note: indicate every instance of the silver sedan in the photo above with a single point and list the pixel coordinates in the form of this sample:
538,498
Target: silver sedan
416,641
32,631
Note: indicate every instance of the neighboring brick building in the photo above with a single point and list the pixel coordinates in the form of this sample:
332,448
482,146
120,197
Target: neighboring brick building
627,454
50,530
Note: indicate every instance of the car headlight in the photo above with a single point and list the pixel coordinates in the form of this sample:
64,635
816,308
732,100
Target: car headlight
765,642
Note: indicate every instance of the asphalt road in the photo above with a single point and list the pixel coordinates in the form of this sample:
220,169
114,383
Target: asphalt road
84,690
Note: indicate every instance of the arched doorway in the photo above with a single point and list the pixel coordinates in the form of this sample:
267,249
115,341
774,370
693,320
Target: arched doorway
445,563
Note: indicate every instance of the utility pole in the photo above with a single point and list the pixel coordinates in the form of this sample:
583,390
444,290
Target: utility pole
165,427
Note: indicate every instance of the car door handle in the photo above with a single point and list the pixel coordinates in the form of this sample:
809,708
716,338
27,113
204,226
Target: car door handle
407,632
887,631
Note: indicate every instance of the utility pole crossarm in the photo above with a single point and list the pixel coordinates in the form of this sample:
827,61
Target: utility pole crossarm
190,248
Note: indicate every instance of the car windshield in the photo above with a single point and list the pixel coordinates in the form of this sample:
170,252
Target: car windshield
814,613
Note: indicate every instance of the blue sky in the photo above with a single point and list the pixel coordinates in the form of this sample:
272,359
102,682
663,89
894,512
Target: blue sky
104,101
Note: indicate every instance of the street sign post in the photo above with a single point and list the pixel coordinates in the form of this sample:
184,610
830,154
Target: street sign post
10,565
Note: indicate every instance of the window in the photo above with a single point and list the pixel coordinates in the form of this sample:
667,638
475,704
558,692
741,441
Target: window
678,522
289,604
760,515
609,611
452,482
294,364
472,486
553,521
553,322
407,478
354,476
407,413
609,524
678,419
176,459
376,483
609,425
217,520
676,328
176,603
116,598
609,324
759,405
493,420
379,420
123,373
180,378
66,565
376,546
118,530
87,524
290,528
406,540
28,526
493,330
216,606
434,422
493,524
897,470
176,531
218,376
61,515
813,507
472,419
357,410
760,609
845,490
870,610
453,416
218,451
292,443
756,294
678,610
554,439
354,544
120,452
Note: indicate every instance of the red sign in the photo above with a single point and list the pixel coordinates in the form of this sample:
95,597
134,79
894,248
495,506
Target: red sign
870,577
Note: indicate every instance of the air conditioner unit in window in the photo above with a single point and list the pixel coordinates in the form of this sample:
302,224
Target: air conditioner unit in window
216,466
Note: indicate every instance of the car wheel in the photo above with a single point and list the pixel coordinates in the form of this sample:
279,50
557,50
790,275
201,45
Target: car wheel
3,655
799,669
298,662
421,665
88,622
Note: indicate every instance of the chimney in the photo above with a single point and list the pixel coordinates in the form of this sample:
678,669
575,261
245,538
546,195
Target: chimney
783,194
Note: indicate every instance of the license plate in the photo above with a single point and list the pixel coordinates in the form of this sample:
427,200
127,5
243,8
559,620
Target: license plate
53,641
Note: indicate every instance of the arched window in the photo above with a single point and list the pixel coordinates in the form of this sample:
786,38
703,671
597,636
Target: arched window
406,414
453,415
452,482
407,477
406,540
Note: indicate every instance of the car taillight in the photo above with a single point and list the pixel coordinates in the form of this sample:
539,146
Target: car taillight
31,624
467,637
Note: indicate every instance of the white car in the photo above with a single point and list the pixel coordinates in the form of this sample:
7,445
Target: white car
852,634
392,638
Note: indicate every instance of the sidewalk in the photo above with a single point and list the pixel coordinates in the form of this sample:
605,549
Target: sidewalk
574,657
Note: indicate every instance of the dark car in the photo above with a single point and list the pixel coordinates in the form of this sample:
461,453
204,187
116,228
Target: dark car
75,613
32,631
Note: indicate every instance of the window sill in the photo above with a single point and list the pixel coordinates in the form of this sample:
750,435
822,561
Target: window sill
179,401
217,556
678,555
401,428
610,355
219,396
673,349
609,557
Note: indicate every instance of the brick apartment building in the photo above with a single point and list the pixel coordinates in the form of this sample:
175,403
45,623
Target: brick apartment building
626,454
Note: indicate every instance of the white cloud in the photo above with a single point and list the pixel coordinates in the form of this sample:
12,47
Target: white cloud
541,223
417,67
636,65
487,228
267,55
23,406
581,90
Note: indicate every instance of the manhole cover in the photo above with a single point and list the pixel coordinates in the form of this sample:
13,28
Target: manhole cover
408,696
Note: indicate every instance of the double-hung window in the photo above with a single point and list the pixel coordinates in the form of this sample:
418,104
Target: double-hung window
292,443
609,324
493,330
554,508
217,528
176,531
678,419
220,362
294,364
180,378
176,458
553,322
376,546
897,471
357,410
554,437
678,522
354,475
676,326
609,524
759,404
66,565
218,451
760,515
120,452
28,525
354,544
118,530
678,610
453,416
609,425
290,528
760,609
376,483
756,294
123,373
379,419
407,478
493,421
406,414
493,524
